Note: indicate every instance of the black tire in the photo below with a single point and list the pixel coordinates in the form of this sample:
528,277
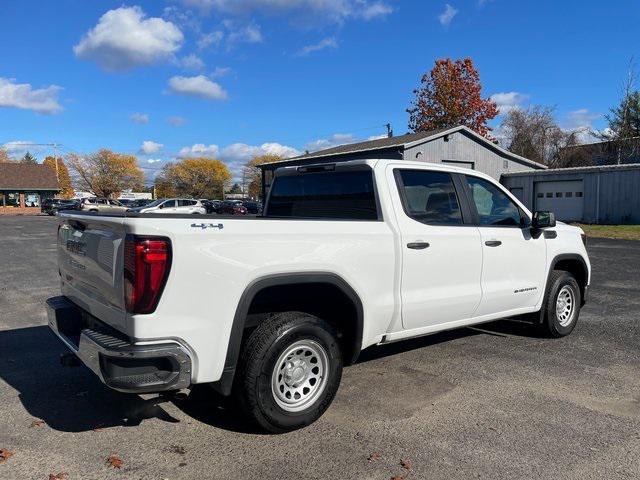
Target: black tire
552,325
266,344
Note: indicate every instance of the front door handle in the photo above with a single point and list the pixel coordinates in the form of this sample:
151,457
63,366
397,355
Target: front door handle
493,243
417,245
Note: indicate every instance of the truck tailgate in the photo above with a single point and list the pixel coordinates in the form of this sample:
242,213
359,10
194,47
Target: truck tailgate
90,259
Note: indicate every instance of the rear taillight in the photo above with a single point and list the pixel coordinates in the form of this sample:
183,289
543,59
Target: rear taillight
147,261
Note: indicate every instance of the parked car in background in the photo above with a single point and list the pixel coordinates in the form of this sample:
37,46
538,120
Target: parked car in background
127,202
101,205
140,202
172,205
51,206
232,207
254,208
209,205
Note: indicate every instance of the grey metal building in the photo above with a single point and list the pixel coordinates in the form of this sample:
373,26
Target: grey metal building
458,146
608,194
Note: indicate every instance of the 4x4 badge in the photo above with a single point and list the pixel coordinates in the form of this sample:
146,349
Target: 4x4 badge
207,225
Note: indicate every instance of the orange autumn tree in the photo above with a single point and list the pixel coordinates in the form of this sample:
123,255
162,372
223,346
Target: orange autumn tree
62,173
450,95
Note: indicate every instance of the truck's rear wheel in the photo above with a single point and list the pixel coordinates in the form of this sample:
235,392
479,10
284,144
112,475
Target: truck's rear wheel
562,304
289,371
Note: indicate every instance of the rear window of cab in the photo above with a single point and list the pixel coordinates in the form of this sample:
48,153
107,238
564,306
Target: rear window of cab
331,195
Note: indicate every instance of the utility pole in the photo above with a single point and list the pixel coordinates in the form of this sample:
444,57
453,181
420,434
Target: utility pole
389,130
55,156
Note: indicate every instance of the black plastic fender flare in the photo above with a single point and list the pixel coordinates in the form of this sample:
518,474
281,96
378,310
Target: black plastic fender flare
224,385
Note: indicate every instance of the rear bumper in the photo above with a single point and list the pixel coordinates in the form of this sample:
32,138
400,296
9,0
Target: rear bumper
114,358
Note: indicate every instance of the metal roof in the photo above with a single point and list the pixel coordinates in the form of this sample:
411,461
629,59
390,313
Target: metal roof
569,170
403,141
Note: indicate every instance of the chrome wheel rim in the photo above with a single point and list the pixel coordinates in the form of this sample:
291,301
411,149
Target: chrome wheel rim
300,375
565,305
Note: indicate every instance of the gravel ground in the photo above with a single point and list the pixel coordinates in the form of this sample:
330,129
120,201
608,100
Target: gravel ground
495,402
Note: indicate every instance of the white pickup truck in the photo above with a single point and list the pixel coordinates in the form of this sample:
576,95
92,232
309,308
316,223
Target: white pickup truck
345,256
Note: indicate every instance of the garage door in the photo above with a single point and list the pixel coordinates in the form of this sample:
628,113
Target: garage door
565,199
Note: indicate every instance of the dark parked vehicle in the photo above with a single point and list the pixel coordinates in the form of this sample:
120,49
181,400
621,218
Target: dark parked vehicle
127,202
51,206
211,206
232,207
254,208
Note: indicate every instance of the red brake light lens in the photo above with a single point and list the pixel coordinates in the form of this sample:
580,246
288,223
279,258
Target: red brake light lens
147,261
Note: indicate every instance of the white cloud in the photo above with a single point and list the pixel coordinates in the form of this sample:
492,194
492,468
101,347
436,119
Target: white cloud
140,118
198,86
375,10
207,40
311,10
507,101
19,146
333,141
192,62
377,137
329,42
220,72
241,152
245,34
236,155
154,160
199,150
581,122
24,96
124,38
445,17
176,121
148,147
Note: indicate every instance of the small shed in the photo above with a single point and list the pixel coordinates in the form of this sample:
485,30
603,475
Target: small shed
24,186
458,146
607,194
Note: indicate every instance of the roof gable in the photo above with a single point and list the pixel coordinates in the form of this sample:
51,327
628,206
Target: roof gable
24,176
406,141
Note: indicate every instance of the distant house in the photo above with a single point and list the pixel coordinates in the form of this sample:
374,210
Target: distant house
23,187
608,152
458,146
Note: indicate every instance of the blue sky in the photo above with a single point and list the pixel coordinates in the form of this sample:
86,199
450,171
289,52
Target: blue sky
232,78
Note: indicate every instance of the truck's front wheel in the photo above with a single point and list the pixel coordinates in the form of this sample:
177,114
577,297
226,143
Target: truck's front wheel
290,370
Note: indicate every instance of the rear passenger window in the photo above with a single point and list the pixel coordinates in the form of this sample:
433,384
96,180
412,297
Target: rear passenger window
429,197
337,195
186,203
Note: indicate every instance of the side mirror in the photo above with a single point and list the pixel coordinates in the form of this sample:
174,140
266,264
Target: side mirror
543,220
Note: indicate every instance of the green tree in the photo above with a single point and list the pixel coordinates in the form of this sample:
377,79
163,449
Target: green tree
623,131
28,158
236,188
62,172
105,172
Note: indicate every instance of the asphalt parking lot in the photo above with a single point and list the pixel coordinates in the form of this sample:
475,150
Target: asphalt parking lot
493,402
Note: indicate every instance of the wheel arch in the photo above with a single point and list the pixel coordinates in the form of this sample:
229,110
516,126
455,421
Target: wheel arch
261,284
573,263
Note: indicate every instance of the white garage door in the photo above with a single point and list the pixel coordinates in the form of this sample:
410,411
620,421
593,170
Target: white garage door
565,199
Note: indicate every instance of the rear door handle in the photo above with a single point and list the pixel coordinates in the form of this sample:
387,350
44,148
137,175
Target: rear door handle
493,243
417,245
